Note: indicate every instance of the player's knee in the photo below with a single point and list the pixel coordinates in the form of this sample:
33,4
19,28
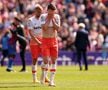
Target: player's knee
53,61
45,61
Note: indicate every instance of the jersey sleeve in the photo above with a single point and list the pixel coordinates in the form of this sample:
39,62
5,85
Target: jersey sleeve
58,20
42,19
29,24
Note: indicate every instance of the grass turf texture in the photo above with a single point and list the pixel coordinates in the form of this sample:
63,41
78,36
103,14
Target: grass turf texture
67,78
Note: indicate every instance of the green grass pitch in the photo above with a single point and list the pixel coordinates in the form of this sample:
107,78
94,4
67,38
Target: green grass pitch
67,78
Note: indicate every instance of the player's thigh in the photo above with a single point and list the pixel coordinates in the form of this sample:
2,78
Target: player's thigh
53,60
45,53
35,51
54,51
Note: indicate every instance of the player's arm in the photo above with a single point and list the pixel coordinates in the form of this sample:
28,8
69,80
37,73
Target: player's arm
23,29
45,22
34,38
20,36
46,25
56,23
30,28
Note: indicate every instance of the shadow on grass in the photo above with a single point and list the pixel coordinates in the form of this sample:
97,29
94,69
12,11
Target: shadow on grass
18,85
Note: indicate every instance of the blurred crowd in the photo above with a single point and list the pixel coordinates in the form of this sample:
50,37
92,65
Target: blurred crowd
94,13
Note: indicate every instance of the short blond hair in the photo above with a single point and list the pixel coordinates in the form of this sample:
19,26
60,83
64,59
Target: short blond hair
38,6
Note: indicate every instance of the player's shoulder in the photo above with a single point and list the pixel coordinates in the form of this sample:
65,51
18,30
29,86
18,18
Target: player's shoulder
56,15
31,18
43,16
30,21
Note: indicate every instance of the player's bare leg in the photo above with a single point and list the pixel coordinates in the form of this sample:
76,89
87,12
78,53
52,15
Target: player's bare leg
46,78
52,72
34,71
45,67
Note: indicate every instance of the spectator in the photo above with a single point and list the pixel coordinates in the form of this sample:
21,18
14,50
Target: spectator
4,43
90,12
81,44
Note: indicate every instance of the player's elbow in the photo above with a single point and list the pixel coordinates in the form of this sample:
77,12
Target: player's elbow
57,27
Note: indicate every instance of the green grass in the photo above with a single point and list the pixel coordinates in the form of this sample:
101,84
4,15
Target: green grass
67,78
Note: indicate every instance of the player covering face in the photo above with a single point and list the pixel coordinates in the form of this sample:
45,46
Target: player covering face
50,27
34,26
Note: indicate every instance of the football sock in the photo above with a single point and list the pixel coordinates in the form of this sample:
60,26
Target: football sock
10,64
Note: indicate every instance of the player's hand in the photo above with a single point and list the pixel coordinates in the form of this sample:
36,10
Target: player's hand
49,17
47,21
54,21
39,43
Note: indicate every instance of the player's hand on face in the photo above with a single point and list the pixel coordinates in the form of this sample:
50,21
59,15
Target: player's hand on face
47,20
54,20
49,17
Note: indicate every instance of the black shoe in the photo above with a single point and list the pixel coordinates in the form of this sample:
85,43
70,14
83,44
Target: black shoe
86,69
23,70
9,70
80,68
2,63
